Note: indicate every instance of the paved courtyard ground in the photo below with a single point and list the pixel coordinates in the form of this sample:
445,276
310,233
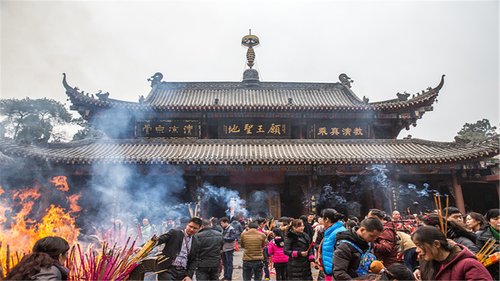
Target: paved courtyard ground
238,273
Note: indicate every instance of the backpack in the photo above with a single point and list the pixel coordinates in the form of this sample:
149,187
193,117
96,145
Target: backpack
367,257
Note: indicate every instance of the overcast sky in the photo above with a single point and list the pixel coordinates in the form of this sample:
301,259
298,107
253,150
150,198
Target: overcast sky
385,47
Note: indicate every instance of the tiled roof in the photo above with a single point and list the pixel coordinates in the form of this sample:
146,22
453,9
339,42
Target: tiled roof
263,96
256,152
4,159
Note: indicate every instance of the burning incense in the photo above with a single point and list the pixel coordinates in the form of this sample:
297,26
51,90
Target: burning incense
110,264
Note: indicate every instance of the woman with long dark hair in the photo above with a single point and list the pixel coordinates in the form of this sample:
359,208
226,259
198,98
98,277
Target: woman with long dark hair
299,250
439,260
475,222
44,263
456,232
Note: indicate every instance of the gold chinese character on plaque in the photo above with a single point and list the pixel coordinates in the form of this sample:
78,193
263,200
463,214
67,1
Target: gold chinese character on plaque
334,131
322,131
188,129
160,129
358,132
346,131
248,129
275,129
260,129
147,128
173,129
233,129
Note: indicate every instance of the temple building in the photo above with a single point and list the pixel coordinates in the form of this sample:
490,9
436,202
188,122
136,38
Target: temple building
289,139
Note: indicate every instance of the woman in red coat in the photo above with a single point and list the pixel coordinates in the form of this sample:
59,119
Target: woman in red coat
440,260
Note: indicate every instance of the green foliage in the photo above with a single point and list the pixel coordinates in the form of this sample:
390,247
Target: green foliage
88,132
32,120
480,130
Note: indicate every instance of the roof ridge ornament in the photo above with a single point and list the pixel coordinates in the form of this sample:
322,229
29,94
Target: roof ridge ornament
250,76
155,79
250,41
345,80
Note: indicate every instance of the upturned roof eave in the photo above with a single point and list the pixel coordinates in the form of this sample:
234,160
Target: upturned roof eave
425,99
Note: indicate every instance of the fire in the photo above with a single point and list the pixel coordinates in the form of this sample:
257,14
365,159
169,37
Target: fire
24,219
73,203
60,183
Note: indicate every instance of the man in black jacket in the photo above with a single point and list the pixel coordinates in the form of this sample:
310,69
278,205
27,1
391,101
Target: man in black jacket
347,258
181,248
209,248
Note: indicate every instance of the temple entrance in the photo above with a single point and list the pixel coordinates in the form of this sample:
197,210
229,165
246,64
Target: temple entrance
292,198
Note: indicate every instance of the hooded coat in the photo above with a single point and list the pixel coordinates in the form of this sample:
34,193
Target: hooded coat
346,257
275,249
298,266
461,264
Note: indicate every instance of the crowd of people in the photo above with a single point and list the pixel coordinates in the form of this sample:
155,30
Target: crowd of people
436,246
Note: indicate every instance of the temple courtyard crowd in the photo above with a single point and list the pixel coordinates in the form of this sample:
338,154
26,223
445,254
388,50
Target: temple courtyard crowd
442,245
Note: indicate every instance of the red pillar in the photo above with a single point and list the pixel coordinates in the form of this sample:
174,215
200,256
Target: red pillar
459,196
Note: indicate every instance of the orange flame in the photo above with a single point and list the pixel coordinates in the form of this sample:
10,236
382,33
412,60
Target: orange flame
73,203
21,227
60,183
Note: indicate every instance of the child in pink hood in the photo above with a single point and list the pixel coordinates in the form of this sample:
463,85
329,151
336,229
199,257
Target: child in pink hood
280,260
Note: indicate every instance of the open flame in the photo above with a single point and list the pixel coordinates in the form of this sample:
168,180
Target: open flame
22,224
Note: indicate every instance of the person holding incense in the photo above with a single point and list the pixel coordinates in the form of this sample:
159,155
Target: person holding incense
298,247
386,246
491,232
180,252
454,231
440,260
44,263
353,247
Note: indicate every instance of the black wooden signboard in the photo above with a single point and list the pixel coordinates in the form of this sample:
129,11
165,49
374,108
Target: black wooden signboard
254,128
169,128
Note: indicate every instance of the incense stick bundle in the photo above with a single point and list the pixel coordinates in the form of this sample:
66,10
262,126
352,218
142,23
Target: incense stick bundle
488,248
446,216
437,202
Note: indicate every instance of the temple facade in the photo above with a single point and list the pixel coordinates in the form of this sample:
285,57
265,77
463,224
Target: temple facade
287,139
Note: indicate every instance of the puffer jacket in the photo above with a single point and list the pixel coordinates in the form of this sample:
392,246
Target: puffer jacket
463,237
253,241
386,246
298,266
346,257
275,249
209,247
328,246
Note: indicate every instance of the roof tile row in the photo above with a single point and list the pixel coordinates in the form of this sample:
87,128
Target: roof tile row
255,152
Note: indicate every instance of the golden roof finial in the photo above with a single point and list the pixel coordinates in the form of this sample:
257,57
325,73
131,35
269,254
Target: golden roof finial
250,41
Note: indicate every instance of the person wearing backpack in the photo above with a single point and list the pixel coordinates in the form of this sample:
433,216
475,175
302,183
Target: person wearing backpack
332,221
277,254
353,255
